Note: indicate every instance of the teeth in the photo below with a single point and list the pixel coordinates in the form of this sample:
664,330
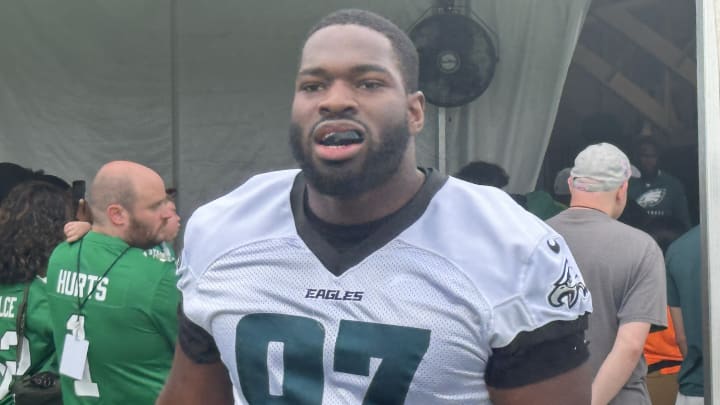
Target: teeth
341,138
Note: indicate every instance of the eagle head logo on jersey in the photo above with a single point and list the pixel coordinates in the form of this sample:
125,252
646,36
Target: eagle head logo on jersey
651,198
567,289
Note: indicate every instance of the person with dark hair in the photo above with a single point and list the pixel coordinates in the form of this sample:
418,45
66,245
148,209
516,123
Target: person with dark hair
11,175
363,279
484,174
52,179
488,174
31,225
112,298
403,49
659,193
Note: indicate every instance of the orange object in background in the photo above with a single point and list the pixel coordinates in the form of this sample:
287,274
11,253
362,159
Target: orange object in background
661,351
663,357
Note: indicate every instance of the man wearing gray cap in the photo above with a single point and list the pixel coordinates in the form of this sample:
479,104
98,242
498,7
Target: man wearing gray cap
623,268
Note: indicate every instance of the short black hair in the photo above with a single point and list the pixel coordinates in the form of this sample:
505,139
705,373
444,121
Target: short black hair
11,175
403,47
484,174
52,179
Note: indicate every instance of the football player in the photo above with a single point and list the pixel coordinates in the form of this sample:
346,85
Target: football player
361,278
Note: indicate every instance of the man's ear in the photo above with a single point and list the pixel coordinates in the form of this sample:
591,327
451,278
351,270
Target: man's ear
622,192
416,112
117,214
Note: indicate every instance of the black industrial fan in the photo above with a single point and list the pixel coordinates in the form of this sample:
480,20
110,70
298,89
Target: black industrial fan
457,51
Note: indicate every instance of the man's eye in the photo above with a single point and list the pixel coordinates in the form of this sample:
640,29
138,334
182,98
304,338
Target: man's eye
370,84
311,87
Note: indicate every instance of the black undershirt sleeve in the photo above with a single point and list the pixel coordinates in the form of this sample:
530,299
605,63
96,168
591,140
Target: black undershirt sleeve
538,355
195,342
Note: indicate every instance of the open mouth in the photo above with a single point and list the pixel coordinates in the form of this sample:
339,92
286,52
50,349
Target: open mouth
341,138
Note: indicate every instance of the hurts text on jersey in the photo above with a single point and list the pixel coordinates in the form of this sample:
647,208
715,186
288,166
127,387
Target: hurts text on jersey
337,295
73,283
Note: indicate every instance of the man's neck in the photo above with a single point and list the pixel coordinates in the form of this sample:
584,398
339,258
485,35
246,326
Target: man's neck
107,230
588,207
371,205
597,203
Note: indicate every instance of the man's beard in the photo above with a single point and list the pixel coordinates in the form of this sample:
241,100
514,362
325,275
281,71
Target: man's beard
140,235
382,161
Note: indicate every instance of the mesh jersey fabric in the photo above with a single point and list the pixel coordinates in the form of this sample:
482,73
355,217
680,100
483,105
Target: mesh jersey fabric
467,276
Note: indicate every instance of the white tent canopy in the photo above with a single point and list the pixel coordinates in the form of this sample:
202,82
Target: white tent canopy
201,91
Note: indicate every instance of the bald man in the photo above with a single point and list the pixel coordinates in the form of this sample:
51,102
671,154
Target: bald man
623,268
113,304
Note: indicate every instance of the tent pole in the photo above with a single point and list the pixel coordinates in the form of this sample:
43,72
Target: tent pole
442,152
709,165
174,102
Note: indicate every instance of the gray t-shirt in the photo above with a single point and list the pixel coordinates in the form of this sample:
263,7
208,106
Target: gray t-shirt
624,270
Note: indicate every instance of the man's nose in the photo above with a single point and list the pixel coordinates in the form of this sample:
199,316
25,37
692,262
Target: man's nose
339,98
167,211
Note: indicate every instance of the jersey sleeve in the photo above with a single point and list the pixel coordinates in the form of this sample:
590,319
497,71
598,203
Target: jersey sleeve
538,355
549,287
194,340
193,337
539,332
164,306
197,344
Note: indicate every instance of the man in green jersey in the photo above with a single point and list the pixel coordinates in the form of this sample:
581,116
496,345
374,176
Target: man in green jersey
110,299
74,230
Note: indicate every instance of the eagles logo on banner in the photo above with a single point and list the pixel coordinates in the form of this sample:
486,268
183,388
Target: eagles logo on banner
567,290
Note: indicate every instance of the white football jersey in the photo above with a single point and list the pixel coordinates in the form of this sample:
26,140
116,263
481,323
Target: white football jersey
413,314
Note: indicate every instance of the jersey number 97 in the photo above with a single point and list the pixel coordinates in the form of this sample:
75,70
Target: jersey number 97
296,344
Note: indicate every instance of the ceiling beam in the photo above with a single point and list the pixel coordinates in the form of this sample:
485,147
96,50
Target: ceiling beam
622,86
645,37
625,5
